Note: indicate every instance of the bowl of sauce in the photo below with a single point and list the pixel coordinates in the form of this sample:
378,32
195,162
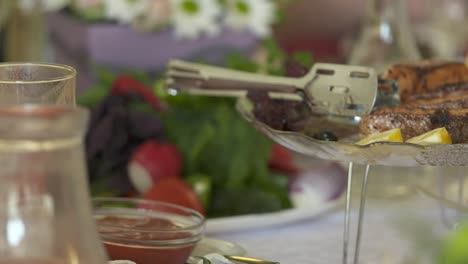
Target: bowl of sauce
147,232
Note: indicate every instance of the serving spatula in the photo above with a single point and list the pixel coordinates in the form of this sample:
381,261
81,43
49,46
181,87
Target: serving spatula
334,89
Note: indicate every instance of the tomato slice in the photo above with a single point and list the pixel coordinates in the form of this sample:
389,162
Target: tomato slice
281,160
176,191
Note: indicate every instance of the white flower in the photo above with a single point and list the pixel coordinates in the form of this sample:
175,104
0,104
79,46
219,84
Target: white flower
256,15
46,5
191,18
124,11
157,14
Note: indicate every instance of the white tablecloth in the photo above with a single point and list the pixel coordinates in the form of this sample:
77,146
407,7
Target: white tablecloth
320,241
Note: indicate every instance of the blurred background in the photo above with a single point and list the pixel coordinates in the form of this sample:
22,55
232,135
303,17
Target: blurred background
144,35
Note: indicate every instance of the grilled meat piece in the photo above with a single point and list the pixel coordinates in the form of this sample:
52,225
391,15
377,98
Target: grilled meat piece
425,77
276,113
414,122
456,99
455,91
433,95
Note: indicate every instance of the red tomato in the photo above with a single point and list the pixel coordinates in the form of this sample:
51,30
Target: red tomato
125,84
282,160
176,191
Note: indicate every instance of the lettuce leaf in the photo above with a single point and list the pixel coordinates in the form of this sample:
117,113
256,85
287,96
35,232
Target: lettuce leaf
216,141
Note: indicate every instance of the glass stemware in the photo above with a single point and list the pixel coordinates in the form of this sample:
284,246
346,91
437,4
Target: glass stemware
45,211
37,83
385,36
440,31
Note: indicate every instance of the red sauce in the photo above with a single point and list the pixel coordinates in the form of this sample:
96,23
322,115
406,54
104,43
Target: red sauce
142,250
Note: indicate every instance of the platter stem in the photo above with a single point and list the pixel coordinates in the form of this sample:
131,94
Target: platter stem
443,212
362,205
461,183
347,212
450,220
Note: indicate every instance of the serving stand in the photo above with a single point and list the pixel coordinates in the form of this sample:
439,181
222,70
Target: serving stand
380,153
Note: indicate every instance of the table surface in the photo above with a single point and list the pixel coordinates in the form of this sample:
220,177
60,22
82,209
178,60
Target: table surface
321,240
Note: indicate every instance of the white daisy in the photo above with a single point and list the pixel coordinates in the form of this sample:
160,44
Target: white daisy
124,11
157,14
255,15
191,18
47,5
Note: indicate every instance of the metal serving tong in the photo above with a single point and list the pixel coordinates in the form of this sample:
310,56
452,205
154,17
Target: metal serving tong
333,89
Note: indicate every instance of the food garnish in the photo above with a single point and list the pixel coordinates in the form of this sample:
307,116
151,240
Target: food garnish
152,161
216,147
393,135
175,190
435,136
281,160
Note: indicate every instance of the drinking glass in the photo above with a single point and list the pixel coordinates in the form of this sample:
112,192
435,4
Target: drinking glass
37,83
440,32
45,209
385,36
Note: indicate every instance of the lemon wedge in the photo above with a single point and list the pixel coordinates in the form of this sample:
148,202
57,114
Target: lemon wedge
435,136
393,135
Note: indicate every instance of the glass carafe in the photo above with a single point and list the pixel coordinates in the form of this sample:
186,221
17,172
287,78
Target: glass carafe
45,210
385,36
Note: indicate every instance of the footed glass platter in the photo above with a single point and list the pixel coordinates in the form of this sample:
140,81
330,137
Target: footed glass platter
345,149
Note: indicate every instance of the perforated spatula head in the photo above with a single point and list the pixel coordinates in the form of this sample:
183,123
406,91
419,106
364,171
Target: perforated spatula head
332,89
345,90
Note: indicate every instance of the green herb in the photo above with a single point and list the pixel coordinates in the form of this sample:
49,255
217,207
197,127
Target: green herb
217,142
96,93
239,61
201,184
305,58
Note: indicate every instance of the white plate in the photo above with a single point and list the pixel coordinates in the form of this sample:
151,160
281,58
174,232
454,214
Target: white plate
266,220
209,245
320,181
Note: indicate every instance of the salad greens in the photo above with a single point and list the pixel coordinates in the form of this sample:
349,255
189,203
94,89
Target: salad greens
225,159
217,142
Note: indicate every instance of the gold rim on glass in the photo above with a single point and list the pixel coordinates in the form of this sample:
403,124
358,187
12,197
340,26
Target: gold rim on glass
68,72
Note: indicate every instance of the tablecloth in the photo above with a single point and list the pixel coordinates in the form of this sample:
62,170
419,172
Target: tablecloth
320,241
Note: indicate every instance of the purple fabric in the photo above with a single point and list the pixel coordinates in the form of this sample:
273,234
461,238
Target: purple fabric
83,45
